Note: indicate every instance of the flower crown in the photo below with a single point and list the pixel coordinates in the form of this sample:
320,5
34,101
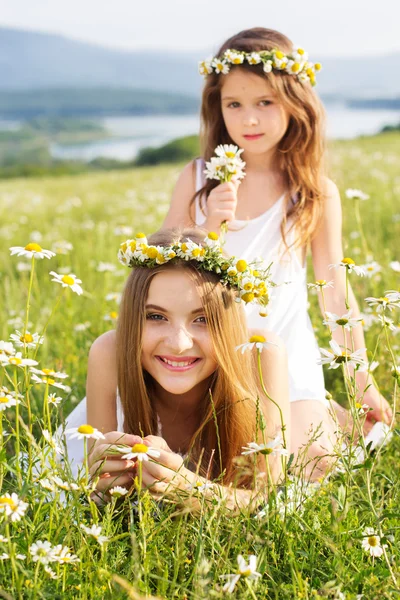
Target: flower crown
251,280
295,63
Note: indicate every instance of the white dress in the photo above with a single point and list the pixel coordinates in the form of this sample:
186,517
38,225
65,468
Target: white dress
287,312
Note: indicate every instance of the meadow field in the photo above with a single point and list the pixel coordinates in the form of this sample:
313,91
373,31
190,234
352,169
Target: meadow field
308,542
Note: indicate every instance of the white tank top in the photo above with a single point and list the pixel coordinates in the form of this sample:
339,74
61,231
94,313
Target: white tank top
287,310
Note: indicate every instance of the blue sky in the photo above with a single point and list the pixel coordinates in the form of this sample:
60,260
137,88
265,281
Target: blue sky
323,27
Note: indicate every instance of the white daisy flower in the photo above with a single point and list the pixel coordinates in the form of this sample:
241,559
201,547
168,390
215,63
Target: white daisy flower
6,556
369,368
114,297
372,542
85,432
12,507
253,58
267,67
49,373
47,380
6,401
54,400
3,539
118,491
205,67
53,442
393,295
229,151
189,250
386,322
371,269
47,485
62,555
274,447
362,409
350,265
62,247
17,360
200,486
259,341
6,348
395,265
334,321
42,552
354,194
139,451
381,304
95,531
111,316
320,284
70,281
64,485
244,570
23,267
220,66
299,54
52,574
31,250
337,356
104,267
212,240
293,67
82,326
29,340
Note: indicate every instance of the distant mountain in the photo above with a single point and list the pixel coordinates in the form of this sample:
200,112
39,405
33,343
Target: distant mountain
41,60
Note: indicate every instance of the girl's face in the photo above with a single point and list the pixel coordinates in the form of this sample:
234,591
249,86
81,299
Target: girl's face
177,348
255,119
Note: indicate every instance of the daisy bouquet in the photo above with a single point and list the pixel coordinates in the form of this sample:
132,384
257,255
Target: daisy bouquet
226,164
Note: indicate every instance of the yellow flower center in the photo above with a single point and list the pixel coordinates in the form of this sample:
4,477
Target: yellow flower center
113,314
263,313
300,51
140,448
160,258
152,252
49,380
27,338
241,266
370,268
213,236
3,400
140,235
257,338
279,54
383,299
246,573
32,247
48,371
86,429
4,500
230,154
172,254
198,484
248,286
348,261
317,66
248,297
320,282
13,360
132,246
358,405
372,540
68,279
196,252
124,247
342,322
184,247
295,67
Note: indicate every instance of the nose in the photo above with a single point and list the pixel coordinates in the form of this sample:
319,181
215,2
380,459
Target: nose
250,118
179,340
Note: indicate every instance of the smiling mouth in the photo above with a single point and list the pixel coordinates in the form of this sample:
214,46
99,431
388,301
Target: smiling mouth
181,364
253,135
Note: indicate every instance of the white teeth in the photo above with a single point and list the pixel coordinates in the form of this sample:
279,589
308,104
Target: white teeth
174,363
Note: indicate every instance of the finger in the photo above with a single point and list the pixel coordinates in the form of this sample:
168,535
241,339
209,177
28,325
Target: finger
110,466
156,442
116,437
153,484
108,481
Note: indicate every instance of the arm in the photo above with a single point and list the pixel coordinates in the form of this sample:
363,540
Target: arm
180,213
327,249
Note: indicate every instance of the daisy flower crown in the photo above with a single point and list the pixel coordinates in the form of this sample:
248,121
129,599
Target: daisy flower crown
295,63
250,280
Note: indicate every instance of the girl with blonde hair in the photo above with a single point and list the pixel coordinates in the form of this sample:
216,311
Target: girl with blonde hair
170,383
259,96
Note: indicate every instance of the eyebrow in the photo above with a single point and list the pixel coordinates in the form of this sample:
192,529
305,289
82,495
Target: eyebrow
155,307
268,94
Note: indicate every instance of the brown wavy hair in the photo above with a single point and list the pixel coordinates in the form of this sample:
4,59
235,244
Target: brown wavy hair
229,411
302,147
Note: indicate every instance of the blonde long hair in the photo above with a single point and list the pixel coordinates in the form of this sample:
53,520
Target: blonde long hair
229,411
302,147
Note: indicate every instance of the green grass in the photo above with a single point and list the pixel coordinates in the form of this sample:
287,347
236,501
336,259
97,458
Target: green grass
159,549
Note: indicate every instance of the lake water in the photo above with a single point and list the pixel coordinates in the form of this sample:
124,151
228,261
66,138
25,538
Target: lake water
130,134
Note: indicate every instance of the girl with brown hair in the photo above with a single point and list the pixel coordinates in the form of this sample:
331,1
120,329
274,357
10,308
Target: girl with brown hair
258,95
170,382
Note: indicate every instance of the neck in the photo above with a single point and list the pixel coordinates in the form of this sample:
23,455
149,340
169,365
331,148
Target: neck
268,161
185,404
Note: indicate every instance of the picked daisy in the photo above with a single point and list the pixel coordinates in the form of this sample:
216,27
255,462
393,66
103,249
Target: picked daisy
354,194
17,361
337,356
334,321
95,531
140,452
84,432
27,340
350,265
372,542
70,281
226,164
247,570
31,250
320,284
274,447
12,507
259,341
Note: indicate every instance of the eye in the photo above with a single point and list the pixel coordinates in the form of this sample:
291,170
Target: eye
265,102
154,317
233,104
201,320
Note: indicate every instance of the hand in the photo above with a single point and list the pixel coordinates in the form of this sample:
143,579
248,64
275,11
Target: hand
108,466
381,410
221,205
166,473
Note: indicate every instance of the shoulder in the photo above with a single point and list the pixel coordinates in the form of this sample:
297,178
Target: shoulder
103,349
179,212
330,191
